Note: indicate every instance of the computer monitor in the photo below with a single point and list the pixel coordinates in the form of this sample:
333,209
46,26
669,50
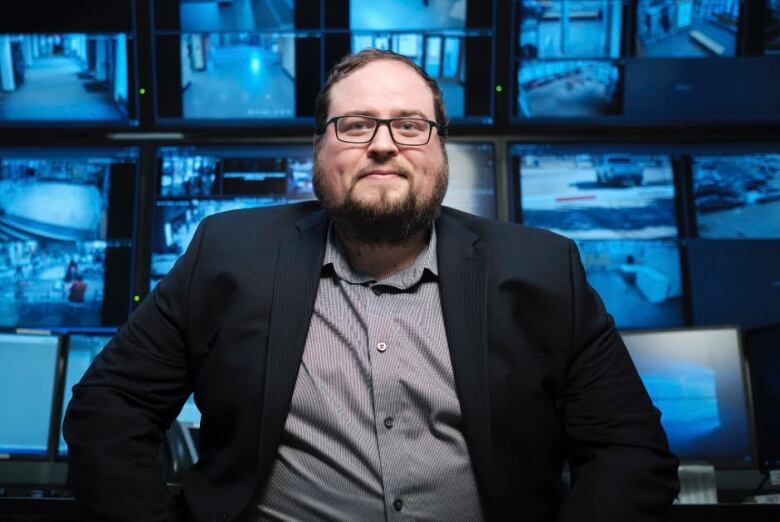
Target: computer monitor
737,196
472,186
618,203
763,352
595,192
735,281
640,282
698,379
619,62
66,247
195,182
68,67
224,63
81,350
28,369
450,39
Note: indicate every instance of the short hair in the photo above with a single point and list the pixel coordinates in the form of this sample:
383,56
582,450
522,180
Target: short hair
352,62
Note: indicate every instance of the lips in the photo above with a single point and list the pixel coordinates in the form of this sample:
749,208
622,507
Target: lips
377,173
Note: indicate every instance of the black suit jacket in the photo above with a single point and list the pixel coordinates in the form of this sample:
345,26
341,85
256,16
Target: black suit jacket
541,375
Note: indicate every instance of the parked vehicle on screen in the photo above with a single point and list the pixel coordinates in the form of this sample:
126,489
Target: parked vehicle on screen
619,170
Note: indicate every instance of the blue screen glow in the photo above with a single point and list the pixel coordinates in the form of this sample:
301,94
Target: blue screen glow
27,367
82,350
737,196
687,28
695,377
639,281
599,196
64,77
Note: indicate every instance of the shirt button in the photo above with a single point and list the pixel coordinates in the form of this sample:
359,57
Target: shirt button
376,289
398,504
381,347
388,422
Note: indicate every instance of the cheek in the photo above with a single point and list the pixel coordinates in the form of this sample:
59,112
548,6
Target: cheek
336,171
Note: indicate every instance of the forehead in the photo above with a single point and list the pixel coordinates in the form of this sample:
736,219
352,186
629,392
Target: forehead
383,88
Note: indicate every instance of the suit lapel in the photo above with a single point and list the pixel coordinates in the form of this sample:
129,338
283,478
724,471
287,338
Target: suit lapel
298,268
463,287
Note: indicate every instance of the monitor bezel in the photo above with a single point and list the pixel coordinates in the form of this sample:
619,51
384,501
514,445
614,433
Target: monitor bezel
762,464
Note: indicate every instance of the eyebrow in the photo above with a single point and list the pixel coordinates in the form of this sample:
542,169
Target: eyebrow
399,114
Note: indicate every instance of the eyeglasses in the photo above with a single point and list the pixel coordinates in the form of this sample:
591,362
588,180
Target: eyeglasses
403,131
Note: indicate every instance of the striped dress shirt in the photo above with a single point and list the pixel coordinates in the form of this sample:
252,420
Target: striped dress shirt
374,431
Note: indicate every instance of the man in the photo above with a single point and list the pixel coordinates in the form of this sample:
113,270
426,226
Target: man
379,358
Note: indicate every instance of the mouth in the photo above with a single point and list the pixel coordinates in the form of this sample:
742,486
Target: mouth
381,174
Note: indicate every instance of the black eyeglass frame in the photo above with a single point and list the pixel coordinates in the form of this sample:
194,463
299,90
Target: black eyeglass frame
441,129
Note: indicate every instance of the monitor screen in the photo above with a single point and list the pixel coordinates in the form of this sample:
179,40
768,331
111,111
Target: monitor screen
230,62
735,281
687,28
66,235
568,59
82,350
624,62
445,38
737,196
763,350
67,77
190,413
28,365
472,178
697,379
196,182
65,65
639,281
595,194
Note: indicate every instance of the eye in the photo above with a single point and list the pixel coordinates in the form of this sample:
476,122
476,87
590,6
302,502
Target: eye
411,126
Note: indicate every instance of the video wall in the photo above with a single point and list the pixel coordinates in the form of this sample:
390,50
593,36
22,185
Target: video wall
658,225
250,62
196,63
620,61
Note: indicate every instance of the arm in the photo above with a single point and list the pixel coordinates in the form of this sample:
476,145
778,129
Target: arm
126,400
619,457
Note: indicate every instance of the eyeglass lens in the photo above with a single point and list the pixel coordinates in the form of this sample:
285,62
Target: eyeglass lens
405,131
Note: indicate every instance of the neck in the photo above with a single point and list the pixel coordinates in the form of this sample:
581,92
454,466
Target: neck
382,261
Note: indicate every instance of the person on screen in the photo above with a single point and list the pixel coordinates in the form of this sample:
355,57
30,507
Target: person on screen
373,355
71,271
78,290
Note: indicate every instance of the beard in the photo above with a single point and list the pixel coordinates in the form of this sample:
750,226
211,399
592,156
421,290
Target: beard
382,222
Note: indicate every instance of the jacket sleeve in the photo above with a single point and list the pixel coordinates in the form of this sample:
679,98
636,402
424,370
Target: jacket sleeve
619,458
125,402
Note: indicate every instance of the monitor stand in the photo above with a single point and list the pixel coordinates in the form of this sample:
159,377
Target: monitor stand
697,484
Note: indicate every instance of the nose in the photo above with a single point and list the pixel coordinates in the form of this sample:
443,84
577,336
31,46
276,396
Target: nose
382,145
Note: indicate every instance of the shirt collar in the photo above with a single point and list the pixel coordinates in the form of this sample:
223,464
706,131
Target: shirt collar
425,263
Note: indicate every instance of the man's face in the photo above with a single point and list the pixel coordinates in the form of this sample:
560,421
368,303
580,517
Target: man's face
380,179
